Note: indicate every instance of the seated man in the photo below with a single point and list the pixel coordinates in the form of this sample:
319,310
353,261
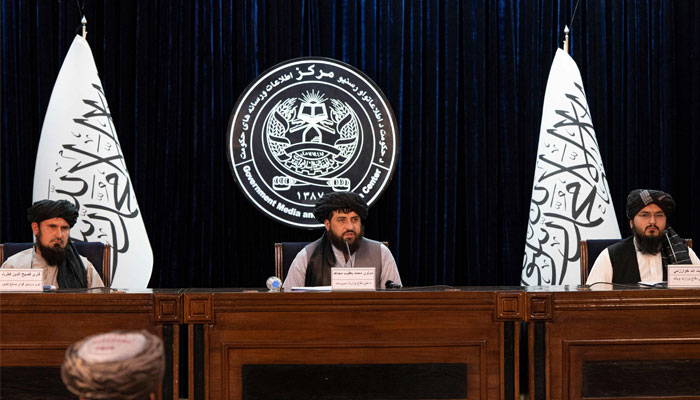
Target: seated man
115,365
342,213
643,257
53,251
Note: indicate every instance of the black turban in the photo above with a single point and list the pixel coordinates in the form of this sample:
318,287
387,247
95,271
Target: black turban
343,201
640,198
47,209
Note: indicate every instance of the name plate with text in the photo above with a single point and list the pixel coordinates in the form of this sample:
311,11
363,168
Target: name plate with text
21,280
683,275
352,279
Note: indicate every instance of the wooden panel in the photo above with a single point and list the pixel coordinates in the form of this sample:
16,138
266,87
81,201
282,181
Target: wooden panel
617,325
237,358
198,308
355,328
509,306
37,328
412,381
641,378
168,308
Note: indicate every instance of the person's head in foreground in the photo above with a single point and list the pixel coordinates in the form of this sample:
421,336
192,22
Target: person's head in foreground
342,213
116,365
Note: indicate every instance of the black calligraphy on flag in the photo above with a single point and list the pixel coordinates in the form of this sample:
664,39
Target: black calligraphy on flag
80,159
570,196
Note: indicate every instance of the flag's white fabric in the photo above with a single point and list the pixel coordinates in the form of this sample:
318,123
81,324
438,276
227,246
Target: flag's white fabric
570,196
79,159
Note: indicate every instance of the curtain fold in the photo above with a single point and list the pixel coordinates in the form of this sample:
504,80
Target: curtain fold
466,81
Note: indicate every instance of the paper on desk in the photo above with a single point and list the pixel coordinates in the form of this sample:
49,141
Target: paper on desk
313,288
651,283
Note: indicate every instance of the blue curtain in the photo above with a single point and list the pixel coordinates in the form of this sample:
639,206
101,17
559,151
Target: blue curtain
466,80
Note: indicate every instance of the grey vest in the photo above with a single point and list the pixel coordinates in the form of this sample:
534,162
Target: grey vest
369,255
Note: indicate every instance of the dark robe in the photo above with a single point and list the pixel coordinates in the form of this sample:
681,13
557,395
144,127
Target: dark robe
623,257
322,259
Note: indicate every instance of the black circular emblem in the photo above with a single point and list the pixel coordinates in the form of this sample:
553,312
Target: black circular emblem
307,127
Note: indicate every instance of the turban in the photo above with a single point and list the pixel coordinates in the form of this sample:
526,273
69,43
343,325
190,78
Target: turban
115,365
47,209
640,198
343,201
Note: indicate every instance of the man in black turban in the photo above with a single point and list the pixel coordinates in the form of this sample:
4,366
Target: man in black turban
643,257
53,251
342,244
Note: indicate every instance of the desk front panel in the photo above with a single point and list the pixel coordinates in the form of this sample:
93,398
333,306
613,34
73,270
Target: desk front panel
37,328
619,344
449,341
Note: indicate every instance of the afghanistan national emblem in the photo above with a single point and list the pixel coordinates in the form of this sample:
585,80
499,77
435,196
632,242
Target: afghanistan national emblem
307,127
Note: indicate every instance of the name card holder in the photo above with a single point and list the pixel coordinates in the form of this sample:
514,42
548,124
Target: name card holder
21,280
683,275
352,279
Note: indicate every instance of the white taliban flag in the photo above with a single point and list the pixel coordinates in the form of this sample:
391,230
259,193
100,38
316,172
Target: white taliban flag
570,196
80,160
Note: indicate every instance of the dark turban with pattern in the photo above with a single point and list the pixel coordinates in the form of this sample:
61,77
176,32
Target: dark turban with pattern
116,365
640,198
340,201
47,209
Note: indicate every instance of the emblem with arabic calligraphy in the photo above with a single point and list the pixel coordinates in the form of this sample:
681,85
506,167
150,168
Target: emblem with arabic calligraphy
307,127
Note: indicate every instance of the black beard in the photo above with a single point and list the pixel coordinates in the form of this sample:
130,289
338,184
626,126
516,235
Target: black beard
52,255
339,242
648,244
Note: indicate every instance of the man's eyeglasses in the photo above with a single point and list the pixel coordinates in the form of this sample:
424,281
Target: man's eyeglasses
648,215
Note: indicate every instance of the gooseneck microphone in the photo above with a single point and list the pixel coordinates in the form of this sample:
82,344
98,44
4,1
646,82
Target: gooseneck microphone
347,246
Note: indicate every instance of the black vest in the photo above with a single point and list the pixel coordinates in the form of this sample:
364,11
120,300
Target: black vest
623,257
368,255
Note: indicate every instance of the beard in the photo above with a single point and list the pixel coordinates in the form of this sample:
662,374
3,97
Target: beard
53,255
339,242
648,244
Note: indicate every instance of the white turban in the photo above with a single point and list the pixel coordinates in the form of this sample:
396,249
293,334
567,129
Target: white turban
116,365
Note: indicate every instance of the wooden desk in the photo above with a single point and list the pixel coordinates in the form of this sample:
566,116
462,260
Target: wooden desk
450,343
642,343
430,344
37,328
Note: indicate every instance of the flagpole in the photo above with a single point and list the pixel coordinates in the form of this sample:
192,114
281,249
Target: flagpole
566,39
84,23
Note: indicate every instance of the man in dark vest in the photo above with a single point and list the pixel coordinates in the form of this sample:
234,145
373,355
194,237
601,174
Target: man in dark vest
342,244
643,257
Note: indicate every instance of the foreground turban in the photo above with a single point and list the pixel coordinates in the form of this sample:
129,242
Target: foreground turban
115,365
640,198
344,201
47,209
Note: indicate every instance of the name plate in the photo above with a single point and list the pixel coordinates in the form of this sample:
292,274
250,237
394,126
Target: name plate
352,279
21,280
683,275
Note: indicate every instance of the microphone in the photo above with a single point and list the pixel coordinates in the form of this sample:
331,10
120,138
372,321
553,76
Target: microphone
274,284
347,246
392,285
